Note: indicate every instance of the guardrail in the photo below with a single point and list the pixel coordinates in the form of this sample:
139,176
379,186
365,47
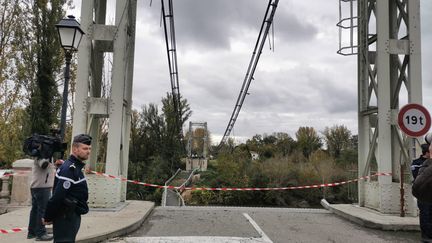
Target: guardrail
185,184
164,195
177,190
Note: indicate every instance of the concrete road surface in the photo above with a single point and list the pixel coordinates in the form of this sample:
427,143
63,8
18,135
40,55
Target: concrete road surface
229,224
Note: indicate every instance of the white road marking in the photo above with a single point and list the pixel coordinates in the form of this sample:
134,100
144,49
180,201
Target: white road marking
258,229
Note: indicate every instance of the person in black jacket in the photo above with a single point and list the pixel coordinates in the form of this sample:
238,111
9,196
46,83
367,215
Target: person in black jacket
424,208
70,195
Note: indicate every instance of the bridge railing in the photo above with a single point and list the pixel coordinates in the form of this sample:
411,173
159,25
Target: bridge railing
164,195
185,184
5,193
180,189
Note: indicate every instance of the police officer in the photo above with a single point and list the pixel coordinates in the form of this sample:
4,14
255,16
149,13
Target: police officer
69,199
417,163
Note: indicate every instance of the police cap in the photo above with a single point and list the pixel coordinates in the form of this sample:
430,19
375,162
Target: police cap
82,138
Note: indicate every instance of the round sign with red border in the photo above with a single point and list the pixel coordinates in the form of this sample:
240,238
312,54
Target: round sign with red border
414,120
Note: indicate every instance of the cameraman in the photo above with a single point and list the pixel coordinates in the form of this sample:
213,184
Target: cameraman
43,173
69,200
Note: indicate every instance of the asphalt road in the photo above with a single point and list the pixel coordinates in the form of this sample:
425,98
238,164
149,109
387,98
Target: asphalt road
228,224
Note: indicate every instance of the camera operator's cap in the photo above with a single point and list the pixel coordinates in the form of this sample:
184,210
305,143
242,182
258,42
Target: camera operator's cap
82,138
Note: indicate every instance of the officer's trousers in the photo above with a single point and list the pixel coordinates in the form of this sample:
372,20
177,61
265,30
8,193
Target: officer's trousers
65,228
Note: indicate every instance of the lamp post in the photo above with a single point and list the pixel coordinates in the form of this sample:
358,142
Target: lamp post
70,34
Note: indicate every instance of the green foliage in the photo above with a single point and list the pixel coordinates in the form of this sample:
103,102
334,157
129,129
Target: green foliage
308,140
11,89
347,157
45,99
337,139
30,60
283,162
155,148
285,144
233,167
202,197
11,141
267,146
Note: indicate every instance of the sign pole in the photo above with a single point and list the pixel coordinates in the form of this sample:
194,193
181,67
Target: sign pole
414,120
402,192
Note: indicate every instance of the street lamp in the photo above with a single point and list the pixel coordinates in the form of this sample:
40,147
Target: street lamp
70,34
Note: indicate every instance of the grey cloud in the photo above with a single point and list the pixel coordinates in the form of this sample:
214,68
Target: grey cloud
211,23
335,97
289,27
304,82
307,93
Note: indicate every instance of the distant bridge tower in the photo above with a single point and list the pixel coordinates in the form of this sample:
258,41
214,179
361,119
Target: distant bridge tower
100,38
197,138
389,75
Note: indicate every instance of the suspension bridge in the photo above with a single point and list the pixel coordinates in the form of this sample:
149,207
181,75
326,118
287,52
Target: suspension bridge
388,50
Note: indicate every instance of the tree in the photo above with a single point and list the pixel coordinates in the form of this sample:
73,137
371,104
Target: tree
10,91
45,98
171,115
308,140
30,60
254,142
269,139
337,139
16,72
155,147
285,144
174,147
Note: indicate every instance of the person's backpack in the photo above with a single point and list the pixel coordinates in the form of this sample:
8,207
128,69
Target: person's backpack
422,185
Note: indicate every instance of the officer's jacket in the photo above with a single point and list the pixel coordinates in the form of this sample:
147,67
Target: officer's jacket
70,190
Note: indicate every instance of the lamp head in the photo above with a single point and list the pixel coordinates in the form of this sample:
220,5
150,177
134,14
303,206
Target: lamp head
70,33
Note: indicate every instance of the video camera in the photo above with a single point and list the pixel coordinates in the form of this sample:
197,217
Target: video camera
43,146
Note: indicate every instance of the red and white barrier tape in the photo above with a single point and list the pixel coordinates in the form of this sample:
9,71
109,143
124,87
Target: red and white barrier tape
14,230
130,181
229,188
12,173
243,189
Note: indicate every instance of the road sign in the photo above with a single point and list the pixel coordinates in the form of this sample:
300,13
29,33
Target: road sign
414,120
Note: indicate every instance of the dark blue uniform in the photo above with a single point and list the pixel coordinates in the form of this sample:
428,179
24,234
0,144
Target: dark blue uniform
416,165
69,200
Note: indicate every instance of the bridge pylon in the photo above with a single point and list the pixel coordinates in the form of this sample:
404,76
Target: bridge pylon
197,146
91,105
389,75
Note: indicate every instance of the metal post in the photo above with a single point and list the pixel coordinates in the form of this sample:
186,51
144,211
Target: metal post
402,192
68,55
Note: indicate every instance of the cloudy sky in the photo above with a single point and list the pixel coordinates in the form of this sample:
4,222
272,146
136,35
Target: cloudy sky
301,82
